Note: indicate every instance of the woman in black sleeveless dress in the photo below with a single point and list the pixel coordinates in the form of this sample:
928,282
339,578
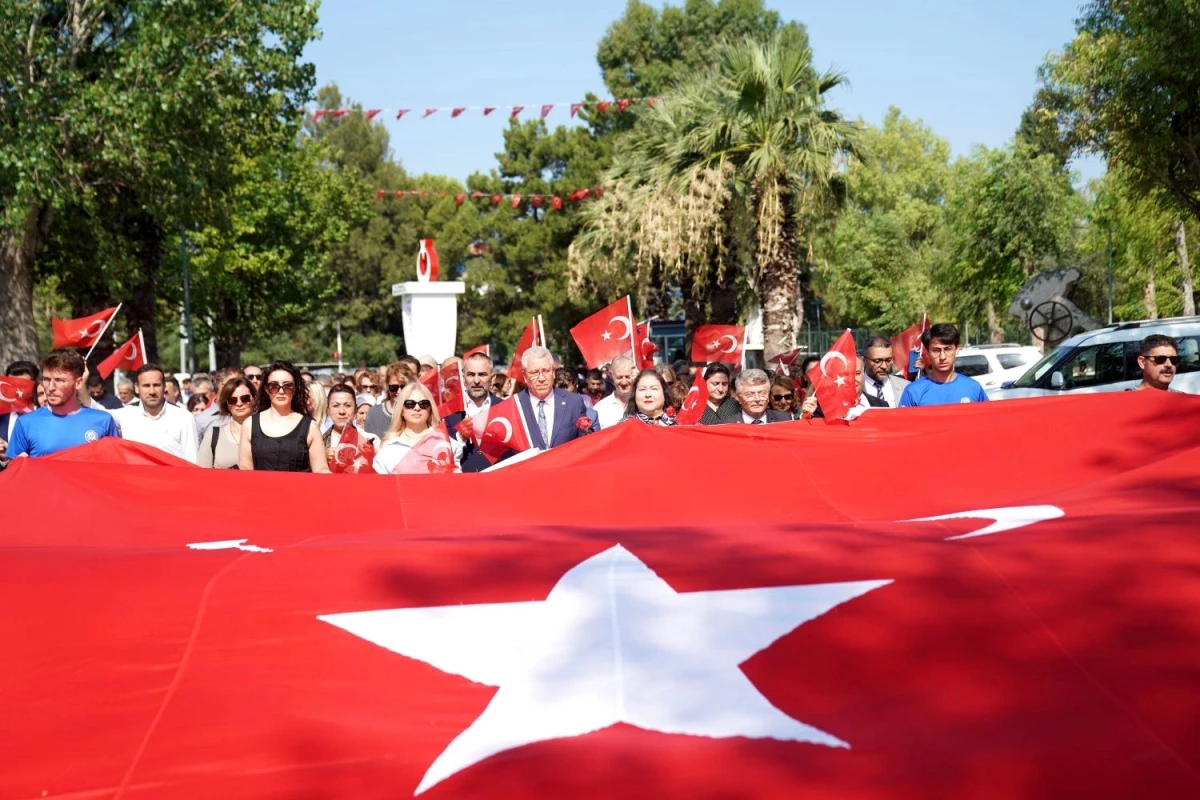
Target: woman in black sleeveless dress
282,437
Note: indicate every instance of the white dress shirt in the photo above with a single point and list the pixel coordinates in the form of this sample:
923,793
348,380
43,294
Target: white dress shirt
471,410
533,403
889,391
749,420
172,431
610,410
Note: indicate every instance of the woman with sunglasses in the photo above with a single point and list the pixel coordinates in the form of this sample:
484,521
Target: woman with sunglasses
282,436
783,396
221,445
417,417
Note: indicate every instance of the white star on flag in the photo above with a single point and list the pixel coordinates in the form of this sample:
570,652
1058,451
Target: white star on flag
840,380
611,643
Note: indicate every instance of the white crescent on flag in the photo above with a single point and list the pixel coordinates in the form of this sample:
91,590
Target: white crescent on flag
5,398
91,331
443,448
624,320
833,354
733,343
689,402
133,352
501,421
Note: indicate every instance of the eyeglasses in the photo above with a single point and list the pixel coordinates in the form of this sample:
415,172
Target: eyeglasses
254,378
241,399
779,398
539,373
368,387
754,395
880,361
425,405
275,387
1160,360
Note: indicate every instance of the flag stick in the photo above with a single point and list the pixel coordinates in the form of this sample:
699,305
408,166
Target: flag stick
541,331
633,343
102,330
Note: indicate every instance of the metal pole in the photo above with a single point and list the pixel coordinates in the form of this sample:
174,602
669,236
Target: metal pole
1110,276
212,347
187,303
341,368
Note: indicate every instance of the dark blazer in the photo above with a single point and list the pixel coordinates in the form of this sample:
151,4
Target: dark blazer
472,459
568,407
769,417
4,426
872,401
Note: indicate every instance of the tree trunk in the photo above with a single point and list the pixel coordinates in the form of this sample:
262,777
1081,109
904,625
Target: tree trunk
995,329
693,309
1150,298
780,284
18,251
723,297
1185,267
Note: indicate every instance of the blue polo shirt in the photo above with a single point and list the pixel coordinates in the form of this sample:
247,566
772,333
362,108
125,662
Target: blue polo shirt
926,392
43,432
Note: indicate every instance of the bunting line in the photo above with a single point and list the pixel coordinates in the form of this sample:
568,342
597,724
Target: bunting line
544,110
552,201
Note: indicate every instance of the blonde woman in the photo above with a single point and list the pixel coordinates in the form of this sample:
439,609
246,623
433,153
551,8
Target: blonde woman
319,404
415,419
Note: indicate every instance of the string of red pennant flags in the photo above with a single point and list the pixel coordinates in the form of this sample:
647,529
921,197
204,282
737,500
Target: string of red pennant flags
553,202
620,105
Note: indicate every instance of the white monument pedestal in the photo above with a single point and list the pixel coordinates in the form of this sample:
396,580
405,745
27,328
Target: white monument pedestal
429,310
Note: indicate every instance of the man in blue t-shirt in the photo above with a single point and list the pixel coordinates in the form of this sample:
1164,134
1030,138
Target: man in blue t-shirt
62,422
941,385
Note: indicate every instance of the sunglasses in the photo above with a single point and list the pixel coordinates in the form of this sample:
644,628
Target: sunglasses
275,387
424,405
779,398
369,386
395,387
241,399
1160,360
255,378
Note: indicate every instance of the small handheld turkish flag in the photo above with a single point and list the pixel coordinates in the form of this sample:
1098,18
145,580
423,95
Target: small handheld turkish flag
695,402
450,390
718,343
433,455
833,378
529,338
82,331
503,430
483,349
907,347
16,395
128,356
646,348
606,334
353,454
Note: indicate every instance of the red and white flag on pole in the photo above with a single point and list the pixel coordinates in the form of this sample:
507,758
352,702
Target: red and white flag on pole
503,431
82,331
695,402
17,395
530,337
719,343
450,390
646,348
907,347
128,356
606,334
833,378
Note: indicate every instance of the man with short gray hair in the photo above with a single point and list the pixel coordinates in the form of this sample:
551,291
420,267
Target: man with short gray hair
611,410
752,388
552,416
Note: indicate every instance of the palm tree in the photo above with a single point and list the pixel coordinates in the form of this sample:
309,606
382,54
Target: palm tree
752,139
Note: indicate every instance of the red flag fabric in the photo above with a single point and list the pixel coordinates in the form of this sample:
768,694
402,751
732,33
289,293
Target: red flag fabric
529,338
488,109
427,261
516,110
516,201
646,348
1031,633
372,113
535,200
833,378
454,112
546,109
575,108
400,112
485,349
602,106
695,402
128,357
82,331
432,455
450,389
788,358
606,334
17,394
353,454
502,430
459,198
429,112
623,104
556,203
718,343
906,347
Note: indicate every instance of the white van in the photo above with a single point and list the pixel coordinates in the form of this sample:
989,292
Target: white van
1105,360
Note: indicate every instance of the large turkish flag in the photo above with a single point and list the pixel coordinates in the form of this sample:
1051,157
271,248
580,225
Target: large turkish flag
608,333
1025,626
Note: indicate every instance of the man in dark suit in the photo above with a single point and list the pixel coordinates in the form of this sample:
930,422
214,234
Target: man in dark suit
477,374
552,416
812,408
752,388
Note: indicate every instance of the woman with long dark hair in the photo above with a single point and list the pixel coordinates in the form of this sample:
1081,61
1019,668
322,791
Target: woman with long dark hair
282,436
721,403
650,399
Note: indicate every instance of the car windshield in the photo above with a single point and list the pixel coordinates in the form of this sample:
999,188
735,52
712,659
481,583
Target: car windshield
1040,368
971,365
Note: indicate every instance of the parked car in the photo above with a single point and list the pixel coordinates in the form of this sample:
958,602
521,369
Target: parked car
1105,360
993,364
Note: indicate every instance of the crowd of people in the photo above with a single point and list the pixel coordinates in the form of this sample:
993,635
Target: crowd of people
280,418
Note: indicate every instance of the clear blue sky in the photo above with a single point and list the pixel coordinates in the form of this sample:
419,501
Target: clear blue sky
967,67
